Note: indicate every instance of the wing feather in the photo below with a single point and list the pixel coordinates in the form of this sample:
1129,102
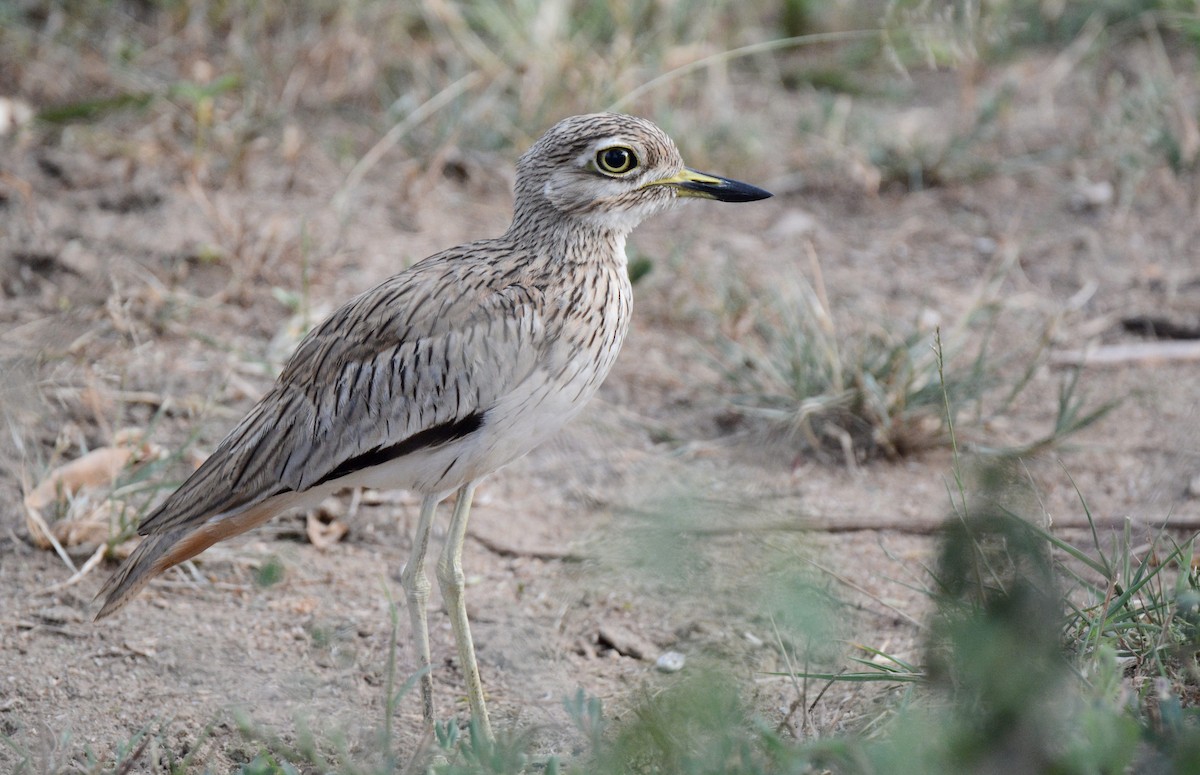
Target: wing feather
425,350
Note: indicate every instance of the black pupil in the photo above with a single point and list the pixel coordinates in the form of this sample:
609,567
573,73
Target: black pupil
616,159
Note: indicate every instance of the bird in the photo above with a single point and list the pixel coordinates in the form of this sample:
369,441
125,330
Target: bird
446,371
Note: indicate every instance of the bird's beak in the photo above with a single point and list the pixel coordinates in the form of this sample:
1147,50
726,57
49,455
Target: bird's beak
689,182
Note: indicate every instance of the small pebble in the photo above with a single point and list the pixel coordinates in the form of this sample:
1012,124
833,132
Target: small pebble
1091,196
670,662
985,246
14,113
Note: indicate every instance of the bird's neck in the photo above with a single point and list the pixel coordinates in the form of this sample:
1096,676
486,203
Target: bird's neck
572,241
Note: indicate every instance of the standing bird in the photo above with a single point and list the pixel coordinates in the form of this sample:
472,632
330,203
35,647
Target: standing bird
447,371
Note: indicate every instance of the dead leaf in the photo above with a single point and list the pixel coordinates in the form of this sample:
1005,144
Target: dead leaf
95,469
82,484
89,528
324,532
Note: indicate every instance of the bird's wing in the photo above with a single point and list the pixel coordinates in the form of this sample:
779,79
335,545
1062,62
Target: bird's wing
412,363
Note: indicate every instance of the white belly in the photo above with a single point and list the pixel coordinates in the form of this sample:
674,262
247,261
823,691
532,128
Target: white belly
522,419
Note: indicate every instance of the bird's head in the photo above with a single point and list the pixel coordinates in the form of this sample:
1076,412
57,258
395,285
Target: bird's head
611,170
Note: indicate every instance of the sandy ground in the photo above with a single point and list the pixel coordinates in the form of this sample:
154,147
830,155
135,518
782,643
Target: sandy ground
659,520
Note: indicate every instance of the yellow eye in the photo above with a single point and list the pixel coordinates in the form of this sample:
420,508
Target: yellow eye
616,160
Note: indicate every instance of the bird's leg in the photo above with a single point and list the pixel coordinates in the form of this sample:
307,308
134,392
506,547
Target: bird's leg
416,591
450,577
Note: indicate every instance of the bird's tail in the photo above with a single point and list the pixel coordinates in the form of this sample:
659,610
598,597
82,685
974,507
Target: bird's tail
160,551
147,561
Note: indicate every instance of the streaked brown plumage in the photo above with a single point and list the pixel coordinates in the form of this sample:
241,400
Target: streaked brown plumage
447,371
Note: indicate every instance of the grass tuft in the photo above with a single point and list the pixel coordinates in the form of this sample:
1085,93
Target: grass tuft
881,390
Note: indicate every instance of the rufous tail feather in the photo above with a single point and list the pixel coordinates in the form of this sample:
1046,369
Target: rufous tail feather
160,551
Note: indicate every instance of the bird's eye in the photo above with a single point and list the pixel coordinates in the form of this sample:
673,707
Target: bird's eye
616,160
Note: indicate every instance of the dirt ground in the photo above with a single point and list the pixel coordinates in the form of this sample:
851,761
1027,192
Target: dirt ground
141,289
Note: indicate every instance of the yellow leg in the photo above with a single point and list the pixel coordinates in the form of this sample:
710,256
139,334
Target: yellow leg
450,577
416,591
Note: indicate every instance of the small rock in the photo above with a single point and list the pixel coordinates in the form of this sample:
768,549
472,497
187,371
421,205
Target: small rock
670,661
623,641
985,246
78,259
14,114
1091,196
1193,488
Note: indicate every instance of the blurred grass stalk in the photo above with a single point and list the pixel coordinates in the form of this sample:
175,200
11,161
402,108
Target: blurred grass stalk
229,71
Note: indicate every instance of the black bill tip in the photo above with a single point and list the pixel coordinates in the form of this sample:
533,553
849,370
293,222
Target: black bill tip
706,186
